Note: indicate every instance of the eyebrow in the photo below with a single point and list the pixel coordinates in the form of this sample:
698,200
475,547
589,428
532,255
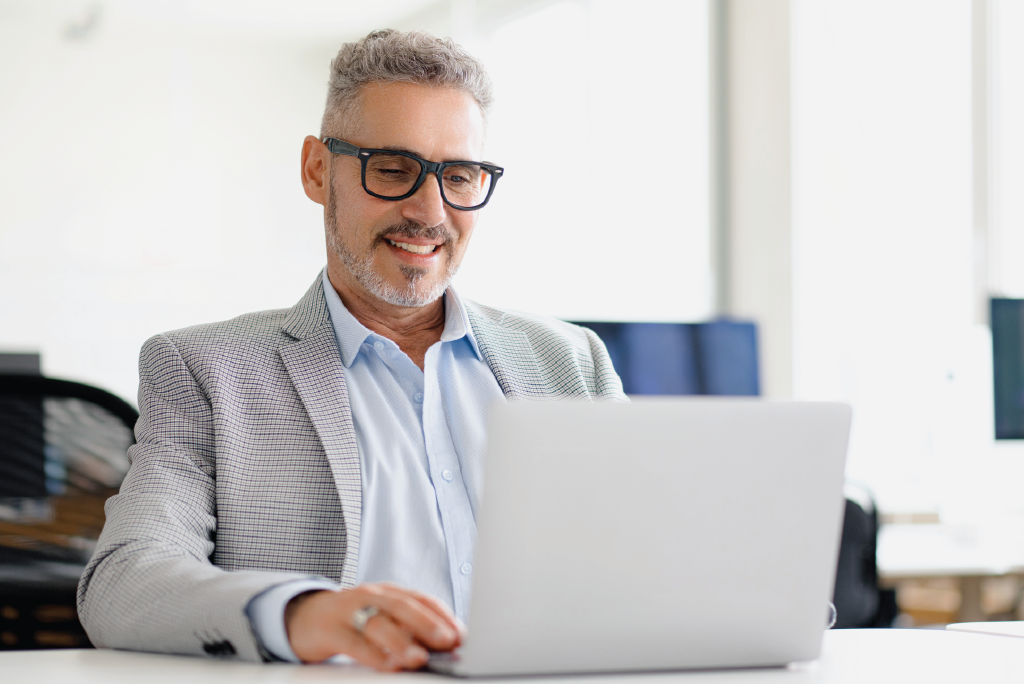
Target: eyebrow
396,148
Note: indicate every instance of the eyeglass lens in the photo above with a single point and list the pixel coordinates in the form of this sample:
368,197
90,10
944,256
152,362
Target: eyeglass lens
393,175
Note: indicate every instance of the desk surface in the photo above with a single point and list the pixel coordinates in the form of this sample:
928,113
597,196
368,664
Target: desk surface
1008,629
877,656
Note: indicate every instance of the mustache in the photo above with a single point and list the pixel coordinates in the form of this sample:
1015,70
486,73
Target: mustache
412,230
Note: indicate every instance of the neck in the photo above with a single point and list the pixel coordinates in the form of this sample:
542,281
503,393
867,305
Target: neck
413,329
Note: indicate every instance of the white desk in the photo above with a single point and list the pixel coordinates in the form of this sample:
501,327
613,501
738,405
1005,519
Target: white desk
918,551
1013,628
848,657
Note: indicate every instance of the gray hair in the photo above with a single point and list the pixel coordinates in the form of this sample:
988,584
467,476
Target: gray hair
390,56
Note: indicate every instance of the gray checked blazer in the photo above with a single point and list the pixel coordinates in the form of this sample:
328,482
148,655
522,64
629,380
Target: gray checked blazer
246,471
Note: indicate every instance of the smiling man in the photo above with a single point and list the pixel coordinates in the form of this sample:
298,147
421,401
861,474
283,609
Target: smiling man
306,481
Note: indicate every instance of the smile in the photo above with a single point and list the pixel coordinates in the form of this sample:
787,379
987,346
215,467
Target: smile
414,249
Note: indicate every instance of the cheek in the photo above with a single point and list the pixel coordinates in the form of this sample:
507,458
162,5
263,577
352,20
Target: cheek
459,248
464,224
357,214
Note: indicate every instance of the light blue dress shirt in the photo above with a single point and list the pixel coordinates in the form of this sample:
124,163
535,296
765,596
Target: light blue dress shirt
421,437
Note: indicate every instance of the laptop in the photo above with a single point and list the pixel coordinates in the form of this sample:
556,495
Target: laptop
662,534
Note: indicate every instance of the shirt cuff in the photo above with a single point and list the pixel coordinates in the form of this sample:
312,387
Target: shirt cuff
266,615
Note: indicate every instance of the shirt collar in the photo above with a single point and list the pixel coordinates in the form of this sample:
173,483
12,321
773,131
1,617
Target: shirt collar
456,322
351,333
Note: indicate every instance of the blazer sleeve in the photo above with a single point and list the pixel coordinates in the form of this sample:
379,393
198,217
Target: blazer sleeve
151,585
605,381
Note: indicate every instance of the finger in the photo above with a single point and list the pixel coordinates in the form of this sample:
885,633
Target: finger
425,624
430,601
367,654
428,619
441,609
395,643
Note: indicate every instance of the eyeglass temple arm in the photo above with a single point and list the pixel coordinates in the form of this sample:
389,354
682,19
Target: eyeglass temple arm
341,147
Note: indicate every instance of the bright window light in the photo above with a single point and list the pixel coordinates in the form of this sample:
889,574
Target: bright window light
149,176
601,122
1007,150
882,207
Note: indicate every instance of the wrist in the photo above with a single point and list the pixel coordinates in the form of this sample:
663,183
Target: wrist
293,606
266,614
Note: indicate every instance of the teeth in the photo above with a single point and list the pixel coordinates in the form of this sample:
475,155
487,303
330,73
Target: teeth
415,249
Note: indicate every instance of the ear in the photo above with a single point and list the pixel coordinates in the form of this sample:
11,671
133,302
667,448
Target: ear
315,170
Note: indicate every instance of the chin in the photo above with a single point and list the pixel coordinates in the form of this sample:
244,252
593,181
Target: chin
411,290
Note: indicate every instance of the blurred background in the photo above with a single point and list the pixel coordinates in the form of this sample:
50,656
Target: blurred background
843,174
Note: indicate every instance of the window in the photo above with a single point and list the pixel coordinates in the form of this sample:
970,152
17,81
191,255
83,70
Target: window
1006,116
129,206
601,122
883,226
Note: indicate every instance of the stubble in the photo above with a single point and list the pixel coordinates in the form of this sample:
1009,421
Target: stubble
410,294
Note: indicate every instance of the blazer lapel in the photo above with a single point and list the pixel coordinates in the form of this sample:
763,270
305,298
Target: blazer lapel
509,354
316,371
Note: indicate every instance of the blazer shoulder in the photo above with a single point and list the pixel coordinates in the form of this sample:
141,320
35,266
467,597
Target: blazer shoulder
251,330
533,325
210,352
558,349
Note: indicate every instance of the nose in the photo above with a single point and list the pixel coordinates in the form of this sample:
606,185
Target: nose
426,206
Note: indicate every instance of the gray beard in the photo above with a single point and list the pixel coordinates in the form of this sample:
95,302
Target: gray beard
361,266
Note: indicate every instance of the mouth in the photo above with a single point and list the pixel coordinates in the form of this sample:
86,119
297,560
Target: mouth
413,248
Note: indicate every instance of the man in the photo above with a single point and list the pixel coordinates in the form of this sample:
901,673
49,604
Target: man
306,481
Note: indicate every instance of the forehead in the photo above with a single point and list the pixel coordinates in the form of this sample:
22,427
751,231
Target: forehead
438,124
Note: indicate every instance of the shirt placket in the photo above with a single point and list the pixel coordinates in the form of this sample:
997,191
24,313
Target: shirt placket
453,502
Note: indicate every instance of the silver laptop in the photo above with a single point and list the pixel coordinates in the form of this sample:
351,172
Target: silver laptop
657,535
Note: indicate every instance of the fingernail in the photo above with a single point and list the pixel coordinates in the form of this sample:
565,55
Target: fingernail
415,654
444,634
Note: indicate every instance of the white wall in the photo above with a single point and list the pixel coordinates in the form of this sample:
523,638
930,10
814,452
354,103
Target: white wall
149,180
883,225
601,123
1007,159
149,177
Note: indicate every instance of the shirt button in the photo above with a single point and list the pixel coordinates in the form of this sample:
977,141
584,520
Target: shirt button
418,397
447,475
466,569
378,345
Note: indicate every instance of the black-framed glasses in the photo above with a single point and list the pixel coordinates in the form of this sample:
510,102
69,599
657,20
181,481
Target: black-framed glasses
395,175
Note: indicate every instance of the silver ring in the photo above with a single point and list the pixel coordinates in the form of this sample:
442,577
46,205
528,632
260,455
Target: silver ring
362,616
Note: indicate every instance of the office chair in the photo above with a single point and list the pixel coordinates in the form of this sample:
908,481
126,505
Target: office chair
63,452
858,599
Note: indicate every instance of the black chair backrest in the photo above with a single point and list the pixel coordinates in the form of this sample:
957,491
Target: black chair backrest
856,594
40,386
63,452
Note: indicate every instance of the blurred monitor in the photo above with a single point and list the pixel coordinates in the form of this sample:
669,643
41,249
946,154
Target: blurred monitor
22,462
1008,366
715,358
21,363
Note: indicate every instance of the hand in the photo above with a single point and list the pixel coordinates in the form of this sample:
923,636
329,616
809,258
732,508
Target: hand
319,626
